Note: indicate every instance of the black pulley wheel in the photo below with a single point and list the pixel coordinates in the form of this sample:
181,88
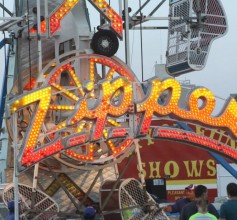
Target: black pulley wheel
105,42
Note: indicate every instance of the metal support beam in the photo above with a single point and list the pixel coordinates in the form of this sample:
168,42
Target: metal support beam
63,187
141,174
17,7
116,183
35,181
15,173
145,3
167,18
39,38
6,25
91,187
5,9
136,20
11,18
157,7
151,28
127,48
46,12
139,161
120,8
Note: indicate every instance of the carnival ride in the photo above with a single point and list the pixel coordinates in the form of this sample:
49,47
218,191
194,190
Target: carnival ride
74,110
190,38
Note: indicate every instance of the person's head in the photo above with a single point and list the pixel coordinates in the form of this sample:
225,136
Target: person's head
89,213
232,190
97,147
202,205
189,192
10,206
201,192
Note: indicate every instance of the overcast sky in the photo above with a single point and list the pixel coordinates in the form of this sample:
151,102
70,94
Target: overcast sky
220,72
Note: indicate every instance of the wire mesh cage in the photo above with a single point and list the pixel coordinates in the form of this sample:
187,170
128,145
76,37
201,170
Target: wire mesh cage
193,26
137,204
44,207
128,200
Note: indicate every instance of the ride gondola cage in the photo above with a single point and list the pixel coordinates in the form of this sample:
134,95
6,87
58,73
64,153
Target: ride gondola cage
128,200
193,26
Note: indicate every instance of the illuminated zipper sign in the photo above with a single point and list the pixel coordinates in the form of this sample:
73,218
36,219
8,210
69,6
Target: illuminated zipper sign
62,10
148,107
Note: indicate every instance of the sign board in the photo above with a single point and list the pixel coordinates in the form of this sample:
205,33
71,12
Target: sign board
117,98
178,163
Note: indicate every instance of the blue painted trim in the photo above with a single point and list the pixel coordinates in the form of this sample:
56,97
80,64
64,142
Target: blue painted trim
184,126
226,165
2,43
4,91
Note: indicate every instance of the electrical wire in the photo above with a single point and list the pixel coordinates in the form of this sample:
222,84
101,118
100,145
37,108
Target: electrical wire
29,46
141,40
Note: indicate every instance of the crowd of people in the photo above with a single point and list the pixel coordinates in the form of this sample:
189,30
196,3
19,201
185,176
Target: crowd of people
201,194
195,205
180,203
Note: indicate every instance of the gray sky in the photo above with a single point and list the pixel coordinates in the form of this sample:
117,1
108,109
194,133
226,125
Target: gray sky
220,72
